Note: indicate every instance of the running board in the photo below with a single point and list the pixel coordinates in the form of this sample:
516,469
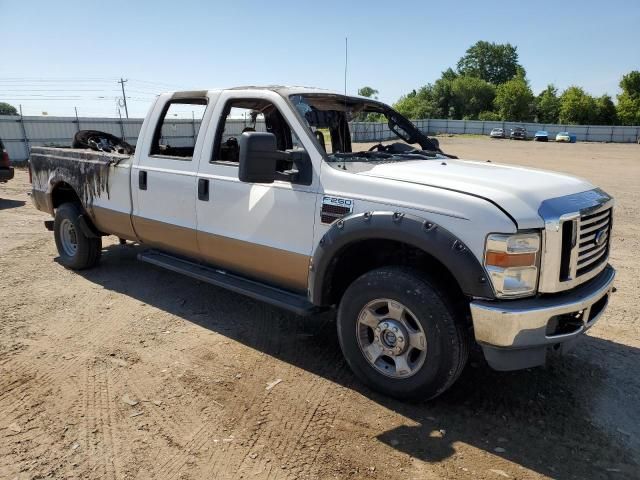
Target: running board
274,296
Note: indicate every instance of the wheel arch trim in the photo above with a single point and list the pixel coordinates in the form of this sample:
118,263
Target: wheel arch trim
418,232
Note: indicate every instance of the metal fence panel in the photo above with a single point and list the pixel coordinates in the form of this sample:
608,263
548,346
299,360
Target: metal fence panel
376,132
19,133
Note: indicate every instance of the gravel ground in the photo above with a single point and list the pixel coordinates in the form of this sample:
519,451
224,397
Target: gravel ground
128,371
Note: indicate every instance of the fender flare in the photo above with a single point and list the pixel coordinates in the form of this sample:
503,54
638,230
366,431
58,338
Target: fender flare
410,229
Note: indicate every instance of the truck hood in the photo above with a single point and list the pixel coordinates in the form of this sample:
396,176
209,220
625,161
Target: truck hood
516,190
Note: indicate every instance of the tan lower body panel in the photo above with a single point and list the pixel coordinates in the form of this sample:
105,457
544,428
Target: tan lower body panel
267,264
166,236
112,222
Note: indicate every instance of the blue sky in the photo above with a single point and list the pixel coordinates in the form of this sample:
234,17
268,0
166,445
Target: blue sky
80,48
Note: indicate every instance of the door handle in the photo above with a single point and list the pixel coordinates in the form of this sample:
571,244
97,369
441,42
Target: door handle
142,180
203,189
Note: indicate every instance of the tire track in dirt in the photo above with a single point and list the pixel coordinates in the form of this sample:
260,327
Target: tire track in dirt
177,428
186,429
207,435
98,418
305,422
12,383
28,414
253,415
312,435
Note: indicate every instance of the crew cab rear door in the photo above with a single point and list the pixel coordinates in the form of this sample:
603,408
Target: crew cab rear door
262,231
163,179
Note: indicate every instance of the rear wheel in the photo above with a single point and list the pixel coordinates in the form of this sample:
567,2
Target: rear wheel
77,250
401,334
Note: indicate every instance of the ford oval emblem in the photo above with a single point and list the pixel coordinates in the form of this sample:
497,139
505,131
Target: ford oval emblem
601,236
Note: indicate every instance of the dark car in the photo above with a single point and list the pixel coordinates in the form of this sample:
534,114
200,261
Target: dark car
518,133
6,170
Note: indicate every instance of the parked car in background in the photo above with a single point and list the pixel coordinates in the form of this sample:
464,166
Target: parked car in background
566,137
497,133
541,136
6,170
518,133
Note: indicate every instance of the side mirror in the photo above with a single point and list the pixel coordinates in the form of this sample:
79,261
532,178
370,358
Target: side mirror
258,157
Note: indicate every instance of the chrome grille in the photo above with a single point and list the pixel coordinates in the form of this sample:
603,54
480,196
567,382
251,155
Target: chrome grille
593,241
572,224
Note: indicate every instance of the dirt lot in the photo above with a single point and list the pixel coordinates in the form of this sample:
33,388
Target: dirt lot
127,371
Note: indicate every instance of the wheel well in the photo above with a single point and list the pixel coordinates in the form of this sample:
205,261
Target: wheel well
63,193
363,256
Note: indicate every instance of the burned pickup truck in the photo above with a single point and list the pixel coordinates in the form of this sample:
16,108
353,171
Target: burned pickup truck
421,254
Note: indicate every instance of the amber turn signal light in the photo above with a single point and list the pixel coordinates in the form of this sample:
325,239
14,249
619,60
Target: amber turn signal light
505,260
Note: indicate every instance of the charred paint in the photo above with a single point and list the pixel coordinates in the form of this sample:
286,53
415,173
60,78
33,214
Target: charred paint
85,170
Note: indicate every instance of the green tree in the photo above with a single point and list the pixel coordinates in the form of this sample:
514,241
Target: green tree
489,116
470,96
548,105
7,109
628,109
514,100
605,113
577,107
449,74
492,62
630,83
418,104
368,92
442,95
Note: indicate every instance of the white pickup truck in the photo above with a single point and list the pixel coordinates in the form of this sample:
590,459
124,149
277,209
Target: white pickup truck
421,253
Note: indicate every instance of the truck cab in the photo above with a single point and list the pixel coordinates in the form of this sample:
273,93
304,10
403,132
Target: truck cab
270,192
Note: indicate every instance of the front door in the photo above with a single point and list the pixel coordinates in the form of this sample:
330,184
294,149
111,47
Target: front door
264,231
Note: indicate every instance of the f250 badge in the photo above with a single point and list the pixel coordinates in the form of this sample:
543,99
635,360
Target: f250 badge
340,202
334,208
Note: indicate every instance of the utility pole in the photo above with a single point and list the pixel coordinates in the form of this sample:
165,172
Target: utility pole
124,97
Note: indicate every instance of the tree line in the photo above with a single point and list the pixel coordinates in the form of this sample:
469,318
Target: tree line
489,83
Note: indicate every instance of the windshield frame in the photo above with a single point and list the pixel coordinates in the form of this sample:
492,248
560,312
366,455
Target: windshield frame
376,106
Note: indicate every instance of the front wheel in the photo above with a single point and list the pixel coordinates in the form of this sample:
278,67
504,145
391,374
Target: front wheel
77,251
400,333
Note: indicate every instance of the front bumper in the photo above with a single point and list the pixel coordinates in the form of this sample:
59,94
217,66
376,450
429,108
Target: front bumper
518,334
6,173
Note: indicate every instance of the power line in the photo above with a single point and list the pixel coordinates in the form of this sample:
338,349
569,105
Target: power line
158,83
56,90
57,79
39,99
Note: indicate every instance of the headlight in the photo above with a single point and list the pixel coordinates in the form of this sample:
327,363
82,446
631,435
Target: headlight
512,263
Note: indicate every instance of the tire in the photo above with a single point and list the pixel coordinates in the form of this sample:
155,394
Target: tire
77,251
427,308
91,139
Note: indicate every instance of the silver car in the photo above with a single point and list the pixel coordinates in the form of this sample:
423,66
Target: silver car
497,133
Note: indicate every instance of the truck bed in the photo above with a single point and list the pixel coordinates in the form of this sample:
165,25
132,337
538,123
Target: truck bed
85,170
